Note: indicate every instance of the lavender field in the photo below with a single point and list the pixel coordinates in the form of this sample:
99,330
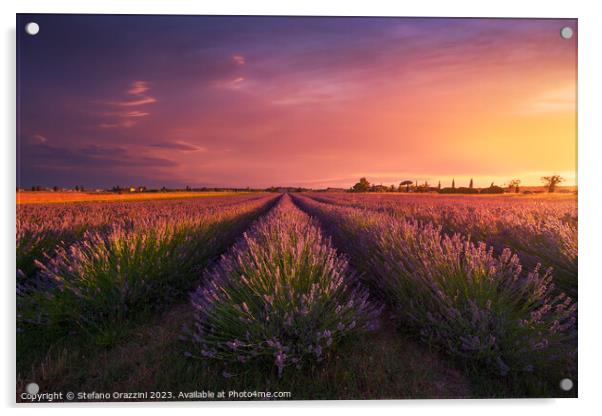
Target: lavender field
324,295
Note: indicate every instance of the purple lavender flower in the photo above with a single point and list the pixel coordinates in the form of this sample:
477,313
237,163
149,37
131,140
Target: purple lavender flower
295,280
468,295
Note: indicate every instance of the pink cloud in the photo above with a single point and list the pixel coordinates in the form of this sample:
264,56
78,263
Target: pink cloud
135,103
135,114
239,60
137,91
138,88
38,138
179,145
138,97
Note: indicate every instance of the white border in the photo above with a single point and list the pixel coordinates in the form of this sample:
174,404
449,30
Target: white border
590,134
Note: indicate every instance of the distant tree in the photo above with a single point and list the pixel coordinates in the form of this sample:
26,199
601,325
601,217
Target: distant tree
163,189
471,185
551,182
55,188
439,186
423,188
514,185
392,188
406,184
453,184
188,189
362,186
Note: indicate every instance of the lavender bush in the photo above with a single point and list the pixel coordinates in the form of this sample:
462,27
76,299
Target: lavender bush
41,227
457,295
132,266
538,230
282,294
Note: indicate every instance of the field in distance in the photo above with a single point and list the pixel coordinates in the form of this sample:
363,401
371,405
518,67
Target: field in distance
41,197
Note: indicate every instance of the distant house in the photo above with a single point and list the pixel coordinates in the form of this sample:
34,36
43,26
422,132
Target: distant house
137,188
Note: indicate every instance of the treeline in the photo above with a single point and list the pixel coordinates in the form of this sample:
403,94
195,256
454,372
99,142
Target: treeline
38,188
550,184
410,186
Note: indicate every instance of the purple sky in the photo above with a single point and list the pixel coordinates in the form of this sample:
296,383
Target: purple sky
260,101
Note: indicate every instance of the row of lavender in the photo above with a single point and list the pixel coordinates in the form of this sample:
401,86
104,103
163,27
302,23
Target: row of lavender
456,294
41,227
115,261
538,230
281,295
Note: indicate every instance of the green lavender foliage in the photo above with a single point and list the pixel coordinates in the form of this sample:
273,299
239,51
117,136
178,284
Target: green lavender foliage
282,295
129,268
457,295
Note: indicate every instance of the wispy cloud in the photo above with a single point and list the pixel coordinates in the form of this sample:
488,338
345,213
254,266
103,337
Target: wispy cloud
237,83
135,114
137,96
39,139
239,60
555,100
179,145
135,103
138,88
96,156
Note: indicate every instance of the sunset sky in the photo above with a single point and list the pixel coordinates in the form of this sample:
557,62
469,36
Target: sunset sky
304,101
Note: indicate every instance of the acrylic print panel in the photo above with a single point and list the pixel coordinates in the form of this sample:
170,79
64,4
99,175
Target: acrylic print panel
234,208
